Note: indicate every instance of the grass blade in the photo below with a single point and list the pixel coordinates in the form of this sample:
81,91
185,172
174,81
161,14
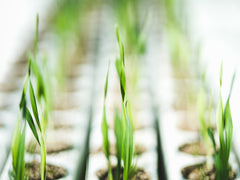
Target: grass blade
32,125
118,134
34,104
43,158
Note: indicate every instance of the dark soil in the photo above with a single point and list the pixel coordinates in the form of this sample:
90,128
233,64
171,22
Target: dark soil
140,174
33,171
138,149
194,148
52,147
200,172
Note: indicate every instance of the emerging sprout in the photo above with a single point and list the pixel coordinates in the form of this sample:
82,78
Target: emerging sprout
126,131
35,122
225,131
123,127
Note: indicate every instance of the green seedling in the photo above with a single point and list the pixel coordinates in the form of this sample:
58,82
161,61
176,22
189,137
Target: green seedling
122,128
225,131
18,141
40,137
35,121
125,142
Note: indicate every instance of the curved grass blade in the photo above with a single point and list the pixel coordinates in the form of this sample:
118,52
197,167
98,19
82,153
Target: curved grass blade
32,125
210,133
18,150
127,144
34,104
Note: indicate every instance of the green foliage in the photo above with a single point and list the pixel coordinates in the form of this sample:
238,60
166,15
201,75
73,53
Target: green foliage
118,126
120,65
37,127
127,146
225,131
34,122
123,125
18,150
18,141
34,105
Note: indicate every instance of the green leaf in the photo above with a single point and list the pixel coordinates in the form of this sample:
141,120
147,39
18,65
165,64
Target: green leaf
225,131
118,67
221,72
32,125
106,84
29,64
118,134
34,104
211,136
15,143
18,150
120,44
105,134
117,32
220,124
122,77
21,154
228,128
39,81
127,144
43,158
23,101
